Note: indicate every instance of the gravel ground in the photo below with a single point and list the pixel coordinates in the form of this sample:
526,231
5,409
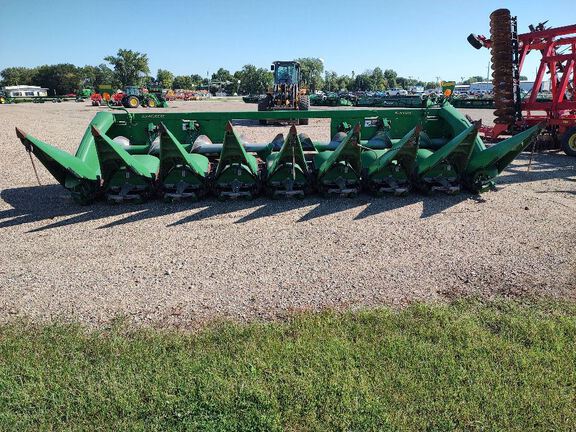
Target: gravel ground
184,264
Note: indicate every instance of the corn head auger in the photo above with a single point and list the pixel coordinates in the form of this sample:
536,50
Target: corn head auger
135,156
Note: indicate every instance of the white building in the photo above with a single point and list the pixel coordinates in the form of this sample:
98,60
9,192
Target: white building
525,86
461,88
25,91
482,86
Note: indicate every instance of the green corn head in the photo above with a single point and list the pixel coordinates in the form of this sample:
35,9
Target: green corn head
182,174
287,172
125,156
124,176
237,171
391,170
338,171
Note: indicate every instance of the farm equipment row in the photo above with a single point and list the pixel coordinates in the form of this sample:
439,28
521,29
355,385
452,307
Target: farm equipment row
5,99
330,99
127,156
131,97
187,95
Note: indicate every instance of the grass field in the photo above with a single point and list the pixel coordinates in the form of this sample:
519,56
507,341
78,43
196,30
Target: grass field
466,366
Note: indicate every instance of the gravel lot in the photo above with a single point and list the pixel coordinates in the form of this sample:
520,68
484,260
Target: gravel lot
183,264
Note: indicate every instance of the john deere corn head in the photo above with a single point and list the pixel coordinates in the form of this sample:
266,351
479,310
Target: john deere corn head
125,156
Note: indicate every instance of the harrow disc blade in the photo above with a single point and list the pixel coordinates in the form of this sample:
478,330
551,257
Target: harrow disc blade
501,36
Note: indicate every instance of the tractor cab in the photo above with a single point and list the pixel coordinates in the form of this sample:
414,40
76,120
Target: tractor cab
287,92
132,91
286,72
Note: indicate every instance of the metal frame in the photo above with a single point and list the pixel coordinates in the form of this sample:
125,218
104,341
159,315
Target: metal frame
558,49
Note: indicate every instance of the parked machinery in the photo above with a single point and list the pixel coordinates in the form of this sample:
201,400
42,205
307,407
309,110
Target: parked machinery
4,98
102,95
134,156
287,93
131,97
557,46
83,94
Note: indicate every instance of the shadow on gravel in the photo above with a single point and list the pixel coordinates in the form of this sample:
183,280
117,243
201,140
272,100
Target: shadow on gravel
330,206
379,205
544,167
568,192
46,203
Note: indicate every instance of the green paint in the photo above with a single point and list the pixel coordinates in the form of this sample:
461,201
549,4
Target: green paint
383,150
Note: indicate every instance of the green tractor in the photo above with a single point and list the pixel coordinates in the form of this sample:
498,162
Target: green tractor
4,98
133,97
287,92
83,94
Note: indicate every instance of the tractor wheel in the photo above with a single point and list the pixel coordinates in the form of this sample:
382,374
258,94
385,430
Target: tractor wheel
304,105
132,102
569,142
151,103
264,105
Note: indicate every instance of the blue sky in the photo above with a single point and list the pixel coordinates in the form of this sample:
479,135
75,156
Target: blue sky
416,38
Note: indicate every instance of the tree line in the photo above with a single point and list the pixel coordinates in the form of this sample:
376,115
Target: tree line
129,67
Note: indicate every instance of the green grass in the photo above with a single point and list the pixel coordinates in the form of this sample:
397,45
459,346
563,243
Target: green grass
466,366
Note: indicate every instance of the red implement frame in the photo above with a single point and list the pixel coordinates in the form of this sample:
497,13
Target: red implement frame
558,49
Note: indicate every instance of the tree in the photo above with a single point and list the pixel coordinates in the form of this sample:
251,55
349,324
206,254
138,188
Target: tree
196,79
363,82
87,75
165,77
334,82
407,83
94,76
312,70
227,81
378,79
105,75
182,82
343,82
129,66
61,78
523,78
331,81
17,76
253,80
473,79
390,76
401,82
